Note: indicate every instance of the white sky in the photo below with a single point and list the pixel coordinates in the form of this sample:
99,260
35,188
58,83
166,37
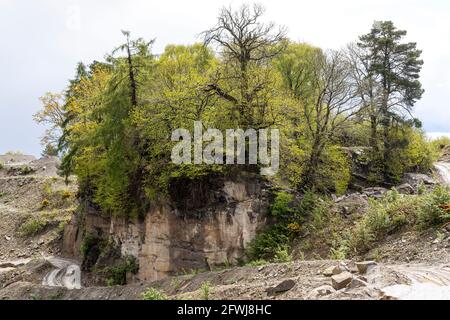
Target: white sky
42,40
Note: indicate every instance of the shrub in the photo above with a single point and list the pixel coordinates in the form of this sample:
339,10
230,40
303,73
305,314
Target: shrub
45,203
384,216
66,194
273,244
32,226
281,209
153,294
436,208
282,255
24,170
88,242
266,244
117,274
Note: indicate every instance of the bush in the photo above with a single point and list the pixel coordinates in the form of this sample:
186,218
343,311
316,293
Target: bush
273,244
395,211
117,274
89,241
436,208
440,144
45,203
281,209
153,294
32,226
282,255
266,244
24,170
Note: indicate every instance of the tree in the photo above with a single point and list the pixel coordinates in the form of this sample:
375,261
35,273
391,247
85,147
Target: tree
247,46
52,115
323,87
395,67
136,53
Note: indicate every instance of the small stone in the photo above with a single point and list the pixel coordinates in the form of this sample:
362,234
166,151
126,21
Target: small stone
320,292
364,267
341,280
7,238
41,242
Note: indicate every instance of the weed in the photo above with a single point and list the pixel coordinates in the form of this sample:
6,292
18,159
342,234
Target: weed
153,294
205,290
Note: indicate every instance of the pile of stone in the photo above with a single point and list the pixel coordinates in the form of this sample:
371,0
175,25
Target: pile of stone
344,276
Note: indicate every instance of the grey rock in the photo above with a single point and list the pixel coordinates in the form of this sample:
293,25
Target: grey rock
414,179
405,188
282,287
377,192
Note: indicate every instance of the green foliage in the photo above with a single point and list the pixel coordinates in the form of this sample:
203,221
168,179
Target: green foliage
25,170
440,144
45,203
435,209
274,243
153,294
282,255
117,274
257,263
395,211
281,208
205,290
88,242
266,244
114,121
50,151
32,226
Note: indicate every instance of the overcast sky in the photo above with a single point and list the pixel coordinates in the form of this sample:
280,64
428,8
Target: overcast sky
42,40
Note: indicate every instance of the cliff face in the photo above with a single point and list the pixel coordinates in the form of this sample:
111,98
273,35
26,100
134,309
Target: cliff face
181,235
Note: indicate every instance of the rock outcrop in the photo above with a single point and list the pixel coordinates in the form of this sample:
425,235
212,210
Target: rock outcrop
180,236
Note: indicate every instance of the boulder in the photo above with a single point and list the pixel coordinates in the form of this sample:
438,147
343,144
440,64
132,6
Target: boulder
352,203
340,281
365,266
415,179
282,287
376,192
405,188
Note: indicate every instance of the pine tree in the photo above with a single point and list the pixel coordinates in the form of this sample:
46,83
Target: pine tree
395,65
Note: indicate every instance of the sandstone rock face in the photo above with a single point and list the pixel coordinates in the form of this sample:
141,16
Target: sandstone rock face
170,240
